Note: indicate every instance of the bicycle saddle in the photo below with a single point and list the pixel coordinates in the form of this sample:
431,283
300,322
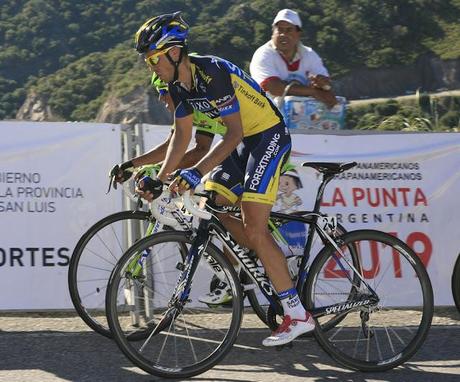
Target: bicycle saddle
330,168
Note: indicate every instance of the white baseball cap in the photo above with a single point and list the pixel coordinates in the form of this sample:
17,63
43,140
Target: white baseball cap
288,15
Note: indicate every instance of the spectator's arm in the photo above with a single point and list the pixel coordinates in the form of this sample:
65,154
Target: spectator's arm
277,87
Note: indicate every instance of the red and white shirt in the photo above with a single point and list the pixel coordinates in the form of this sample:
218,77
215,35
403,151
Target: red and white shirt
267,63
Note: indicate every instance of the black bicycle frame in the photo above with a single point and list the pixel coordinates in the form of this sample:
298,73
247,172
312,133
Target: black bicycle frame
207,228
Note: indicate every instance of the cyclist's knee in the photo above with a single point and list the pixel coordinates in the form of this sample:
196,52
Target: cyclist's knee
222,200
255,233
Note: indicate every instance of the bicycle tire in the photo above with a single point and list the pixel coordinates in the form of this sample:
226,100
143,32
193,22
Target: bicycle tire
189,328
456,283
365,323
95,318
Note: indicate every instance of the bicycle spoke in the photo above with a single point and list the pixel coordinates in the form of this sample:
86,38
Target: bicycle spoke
383,331
188,340
97,253
92,262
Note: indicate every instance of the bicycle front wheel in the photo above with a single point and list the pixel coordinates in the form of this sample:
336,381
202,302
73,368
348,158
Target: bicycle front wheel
156,333
375,331
94,257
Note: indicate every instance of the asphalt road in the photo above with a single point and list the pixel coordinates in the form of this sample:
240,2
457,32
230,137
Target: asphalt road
50,348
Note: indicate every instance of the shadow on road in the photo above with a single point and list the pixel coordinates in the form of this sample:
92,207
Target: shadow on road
86,356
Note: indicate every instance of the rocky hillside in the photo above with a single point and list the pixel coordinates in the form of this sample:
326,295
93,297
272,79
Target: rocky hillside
140,105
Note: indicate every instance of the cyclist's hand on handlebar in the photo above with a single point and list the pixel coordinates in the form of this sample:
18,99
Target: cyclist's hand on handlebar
149,188
147,170
186,179
120,173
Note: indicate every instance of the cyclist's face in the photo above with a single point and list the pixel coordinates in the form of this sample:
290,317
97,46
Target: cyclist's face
161,65
285,36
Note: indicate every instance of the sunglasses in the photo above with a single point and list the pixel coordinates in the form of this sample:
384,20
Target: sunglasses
154,59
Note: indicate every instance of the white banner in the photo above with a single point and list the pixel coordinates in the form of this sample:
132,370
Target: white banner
405,184
53,180
154,135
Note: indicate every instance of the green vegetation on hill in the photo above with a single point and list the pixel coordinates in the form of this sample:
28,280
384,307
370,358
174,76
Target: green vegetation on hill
75,53
422,112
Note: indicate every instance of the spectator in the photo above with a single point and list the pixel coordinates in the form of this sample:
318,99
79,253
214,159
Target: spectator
284,66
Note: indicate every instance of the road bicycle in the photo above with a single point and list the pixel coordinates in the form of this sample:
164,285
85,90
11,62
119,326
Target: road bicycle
100,247
456,283
360,311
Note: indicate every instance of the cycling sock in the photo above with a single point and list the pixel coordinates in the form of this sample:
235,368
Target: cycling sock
291,303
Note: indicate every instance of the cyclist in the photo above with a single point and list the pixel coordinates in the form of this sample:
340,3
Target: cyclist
220,292
246,163
206,129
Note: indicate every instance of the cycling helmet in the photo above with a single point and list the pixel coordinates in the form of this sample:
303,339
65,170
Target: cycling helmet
161,32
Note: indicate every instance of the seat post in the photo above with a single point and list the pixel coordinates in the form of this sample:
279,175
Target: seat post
327,177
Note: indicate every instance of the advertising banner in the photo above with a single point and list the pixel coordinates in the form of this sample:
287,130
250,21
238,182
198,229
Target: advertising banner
403,184
53,183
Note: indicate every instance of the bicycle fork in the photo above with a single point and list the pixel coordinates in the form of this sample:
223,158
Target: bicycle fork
189,267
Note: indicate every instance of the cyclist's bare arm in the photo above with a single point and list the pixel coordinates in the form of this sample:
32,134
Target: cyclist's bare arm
224,147
177,146
157,154
202,145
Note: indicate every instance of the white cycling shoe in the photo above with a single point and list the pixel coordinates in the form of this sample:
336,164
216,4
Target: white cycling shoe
290,329
221,294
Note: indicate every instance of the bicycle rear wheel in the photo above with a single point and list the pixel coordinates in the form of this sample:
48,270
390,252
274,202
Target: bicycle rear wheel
456,283
94,257
151,332
373,334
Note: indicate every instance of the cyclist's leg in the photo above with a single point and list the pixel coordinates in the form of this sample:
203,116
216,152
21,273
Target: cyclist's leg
255,229
267,152
225,192
226,189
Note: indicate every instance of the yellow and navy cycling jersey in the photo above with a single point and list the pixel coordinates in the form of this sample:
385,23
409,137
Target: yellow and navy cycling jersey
221,88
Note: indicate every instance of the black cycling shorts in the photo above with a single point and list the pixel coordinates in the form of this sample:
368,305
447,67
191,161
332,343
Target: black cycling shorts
252,170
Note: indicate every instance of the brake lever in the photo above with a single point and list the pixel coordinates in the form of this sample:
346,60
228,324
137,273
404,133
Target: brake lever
110,185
